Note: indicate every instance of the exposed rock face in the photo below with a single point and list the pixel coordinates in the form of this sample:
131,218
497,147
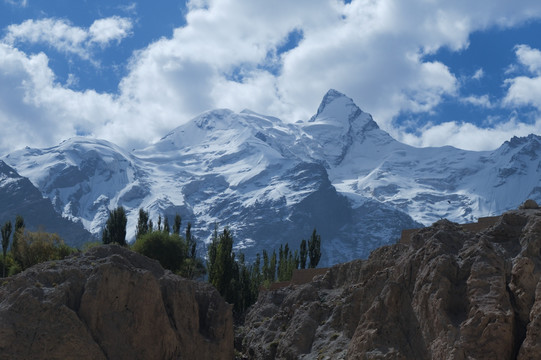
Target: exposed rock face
111,303
449,294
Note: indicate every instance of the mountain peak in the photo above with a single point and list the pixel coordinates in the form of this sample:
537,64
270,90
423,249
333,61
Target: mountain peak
332,99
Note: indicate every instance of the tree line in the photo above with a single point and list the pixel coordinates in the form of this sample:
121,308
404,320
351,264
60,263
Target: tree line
174,252
236,280
239,282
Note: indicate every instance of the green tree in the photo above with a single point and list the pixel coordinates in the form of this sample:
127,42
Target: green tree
166,228
256,277
211,256
266,271
168,249
225,265
272,267
176,224
142,223
115,227
285,263
303,254
191,243
243,285
314,249
296,260
159,222
6,233
40,246
17,236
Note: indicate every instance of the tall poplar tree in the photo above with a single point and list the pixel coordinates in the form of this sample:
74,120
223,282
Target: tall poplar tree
142,224
166,228
314,249
115,227
176,224
6,233
303,254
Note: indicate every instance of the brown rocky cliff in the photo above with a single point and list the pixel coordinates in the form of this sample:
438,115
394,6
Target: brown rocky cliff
111,303
448,294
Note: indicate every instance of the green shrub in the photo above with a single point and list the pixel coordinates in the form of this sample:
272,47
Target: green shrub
32,248
168,249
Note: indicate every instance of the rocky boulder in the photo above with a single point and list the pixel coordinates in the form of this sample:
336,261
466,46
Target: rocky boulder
448,294
111,303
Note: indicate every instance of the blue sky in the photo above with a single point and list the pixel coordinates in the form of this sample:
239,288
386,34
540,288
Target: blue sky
431,73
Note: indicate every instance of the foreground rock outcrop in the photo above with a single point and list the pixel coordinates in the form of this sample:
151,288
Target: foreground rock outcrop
448,294
111,303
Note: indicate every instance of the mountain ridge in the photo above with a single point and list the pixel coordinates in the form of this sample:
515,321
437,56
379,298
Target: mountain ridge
38,213
261,176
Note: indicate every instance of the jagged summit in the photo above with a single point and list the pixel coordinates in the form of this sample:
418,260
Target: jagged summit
335,108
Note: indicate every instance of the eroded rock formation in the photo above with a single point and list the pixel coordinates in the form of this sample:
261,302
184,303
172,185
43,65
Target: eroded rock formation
448,294
111,303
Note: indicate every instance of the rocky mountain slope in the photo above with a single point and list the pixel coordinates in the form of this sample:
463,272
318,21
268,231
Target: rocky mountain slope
20,197
447,294
111,303
272,181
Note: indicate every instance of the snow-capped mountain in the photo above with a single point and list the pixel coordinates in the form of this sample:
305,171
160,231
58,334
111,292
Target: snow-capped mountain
19,197
272,182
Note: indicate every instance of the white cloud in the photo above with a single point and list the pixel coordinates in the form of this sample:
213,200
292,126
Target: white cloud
104,31
469,136
529,57
478,75
65,37
524,90
372,50
481,101
59,34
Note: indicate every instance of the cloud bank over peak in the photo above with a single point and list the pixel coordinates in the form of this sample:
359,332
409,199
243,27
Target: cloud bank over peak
276,58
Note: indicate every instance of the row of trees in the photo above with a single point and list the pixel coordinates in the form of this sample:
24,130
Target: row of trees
239,283
172,250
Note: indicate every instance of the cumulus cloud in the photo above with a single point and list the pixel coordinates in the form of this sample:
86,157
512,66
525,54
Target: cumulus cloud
65,37
469,136
35,110
525,90
531,58
105,31
481,101
226,55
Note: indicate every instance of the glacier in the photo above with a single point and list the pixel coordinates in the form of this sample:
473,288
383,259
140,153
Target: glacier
272,182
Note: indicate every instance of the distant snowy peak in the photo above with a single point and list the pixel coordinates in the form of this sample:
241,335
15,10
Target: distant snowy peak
339,110
528,146
334,105
340,126
71,161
